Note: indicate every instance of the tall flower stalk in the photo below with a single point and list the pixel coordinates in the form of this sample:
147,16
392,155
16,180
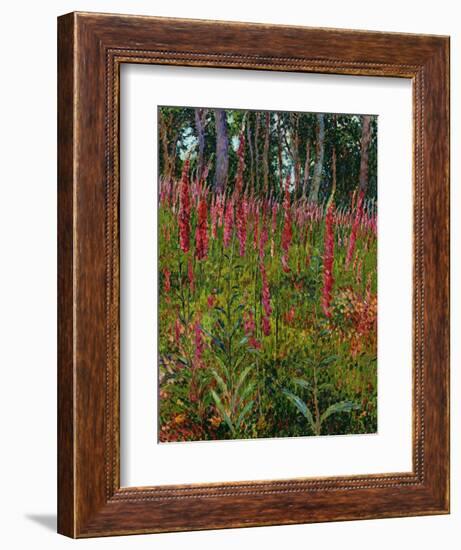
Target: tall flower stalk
328,259
287,233
199,344
184,209
190,275
355,228
228,223
266,301
201,231
241,222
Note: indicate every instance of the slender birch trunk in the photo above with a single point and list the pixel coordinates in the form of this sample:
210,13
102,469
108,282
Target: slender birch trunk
319,154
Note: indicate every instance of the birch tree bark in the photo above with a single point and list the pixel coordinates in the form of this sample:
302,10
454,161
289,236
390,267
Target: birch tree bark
279,150
364,146
250,149
164,129
307,168
266,152
319,154
222,154
257,126
200,118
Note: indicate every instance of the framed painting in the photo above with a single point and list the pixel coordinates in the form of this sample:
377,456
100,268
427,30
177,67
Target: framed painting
253,277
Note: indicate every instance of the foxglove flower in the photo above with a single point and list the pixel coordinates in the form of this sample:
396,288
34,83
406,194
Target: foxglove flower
201,231
355,227
266,300
167,280
328,259
228,223
241,222
184,209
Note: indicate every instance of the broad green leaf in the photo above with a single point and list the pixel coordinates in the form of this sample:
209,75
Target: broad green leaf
221,383
218,342
242,377
223,366
221,324
239,360
246,392
244,412
222,410
235,328
328,360
341,406
301,406
303,383
235,397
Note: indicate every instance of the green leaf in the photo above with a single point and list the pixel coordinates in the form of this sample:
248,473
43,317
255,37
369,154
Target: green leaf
217,341
239,360
328,360
303,383
234,297
247,391
245,411
222,410
221,324
301,406
325,386
221,383
242,377
236,399
223,366
341,406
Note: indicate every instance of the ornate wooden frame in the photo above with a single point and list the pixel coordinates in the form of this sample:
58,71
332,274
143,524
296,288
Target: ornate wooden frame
91,48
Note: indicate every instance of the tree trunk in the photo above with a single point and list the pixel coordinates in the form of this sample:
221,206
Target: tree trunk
364,146
266,152
307,168
222,151
333,162
333,176
279,144
294,138
250,149
164,127
319,154
258,122
200,117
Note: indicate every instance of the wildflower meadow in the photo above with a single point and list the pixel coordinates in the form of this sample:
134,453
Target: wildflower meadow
267,261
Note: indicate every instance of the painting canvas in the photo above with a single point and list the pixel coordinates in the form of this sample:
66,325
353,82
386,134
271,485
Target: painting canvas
267,274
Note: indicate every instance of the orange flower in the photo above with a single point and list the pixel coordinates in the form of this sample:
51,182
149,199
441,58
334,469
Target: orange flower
179,419
215,421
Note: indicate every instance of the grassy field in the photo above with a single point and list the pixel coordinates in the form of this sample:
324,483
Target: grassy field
267,313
